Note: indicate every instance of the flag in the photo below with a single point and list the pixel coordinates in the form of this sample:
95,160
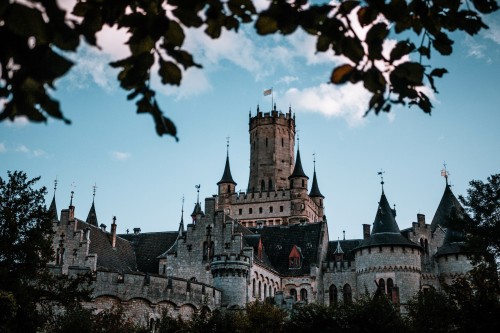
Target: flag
268,92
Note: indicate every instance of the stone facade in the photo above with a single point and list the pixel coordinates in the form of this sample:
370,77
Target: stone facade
268,242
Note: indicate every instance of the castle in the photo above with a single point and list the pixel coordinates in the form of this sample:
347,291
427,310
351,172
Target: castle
270,241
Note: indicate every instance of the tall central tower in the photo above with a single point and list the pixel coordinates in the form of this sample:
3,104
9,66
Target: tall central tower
272,142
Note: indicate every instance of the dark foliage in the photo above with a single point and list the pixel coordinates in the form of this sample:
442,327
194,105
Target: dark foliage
29,293
33,34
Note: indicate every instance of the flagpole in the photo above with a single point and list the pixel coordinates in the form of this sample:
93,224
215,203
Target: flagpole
272,98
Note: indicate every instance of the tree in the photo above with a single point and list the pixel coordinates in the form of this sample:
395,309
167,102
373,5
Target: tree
34,33
28,290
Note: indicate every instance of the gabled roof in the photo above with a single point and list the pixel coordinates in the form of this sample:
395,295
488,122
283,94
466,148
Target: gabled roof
53,209
315,192
226,176
149,246
92,217
385,230
121,258
447,205
279,240
298,171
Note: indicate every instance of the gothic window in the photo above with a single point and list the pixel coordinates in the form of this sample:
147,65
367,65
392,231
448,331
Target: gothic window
390,285
208,250
260,289
293,293
347,294
303,295
421,242
253,287
188,286
271,209
270,185
332,292
381,285
265,291
270,290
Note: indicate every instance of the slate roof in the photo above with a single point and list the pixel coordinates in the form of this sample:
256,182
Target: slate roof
226,176
197,210
447,204
385,230
347,246
53,209
121,258
278,241
315,192
149,246
298,171
92,217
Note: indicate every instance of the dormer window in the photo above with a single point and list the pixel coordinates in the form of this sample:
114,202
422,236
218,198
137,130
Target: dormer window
295,258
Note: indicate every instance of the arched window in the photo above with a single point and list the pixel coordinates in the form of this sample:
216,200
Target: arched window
265,291
262,185
381,285
303,295
347,291
390,285
253,287
293,293
270,185
421,242
426,243
270,291
260,290
332,292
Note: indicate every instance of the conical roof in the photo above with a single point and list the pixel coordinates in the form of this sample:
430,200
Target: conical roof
298,171
53,209
197,210
226,176
92,217
315,192
448,205
385,229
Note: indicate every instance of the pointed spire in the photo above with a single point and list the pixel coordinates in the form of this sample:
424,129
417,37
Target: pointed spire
92,216
53,207
384,219
298,171
447,206
381,174
338,250
226,176
197,207
181,224
315,192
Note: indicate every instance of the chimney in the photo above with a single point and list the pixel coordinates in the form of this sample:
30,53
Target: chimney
137,231
103,227
113,232
366,231
421,219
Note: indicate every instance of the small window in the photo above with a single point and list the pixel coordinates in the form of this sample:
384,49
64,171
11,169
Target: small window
333,294
260,210
303,295
381,285
281,208
293,293
249,210
271,209
347,294
240,211
303,183
270,185
266,142
282,142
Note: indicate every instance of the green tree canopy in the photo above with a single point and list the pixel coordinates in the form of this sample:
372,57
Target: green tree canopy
35,33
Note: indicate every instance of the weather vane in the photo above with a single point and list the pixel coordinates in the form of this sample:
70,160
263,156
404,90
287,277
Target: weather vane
227,143
94,187
381,174
73,186
55,185
445,173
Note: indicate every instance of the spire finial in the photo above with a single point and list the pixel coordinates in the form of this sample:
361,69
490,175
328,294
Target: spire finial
314,160
298,139
445,173
198,195
73,186
114,220
227,144
381,174
182,207
55,185
94,189
343,231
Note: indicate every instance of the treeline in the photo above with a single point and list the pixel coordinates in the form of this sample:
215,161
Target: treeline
468,305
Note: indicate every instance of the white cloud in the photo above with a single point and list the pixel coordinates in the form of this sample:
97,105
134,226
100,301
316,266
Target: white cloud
29,152
348,102
493,32
288,79
20,121
3,149
120,156
39,152
23,149
194,82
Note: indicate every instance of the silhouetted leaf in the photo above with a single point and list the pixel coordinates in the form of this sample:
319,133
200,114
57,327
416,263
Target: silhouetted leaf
443,44
439,72
174,35
347,6
374,81
169,73
266,25
366,15
341,74
401,49
375,38
26,22
486,6
352,49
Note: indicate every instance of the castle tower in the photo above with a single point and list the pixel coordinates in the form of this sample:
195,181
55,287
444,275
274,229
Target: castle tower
272,137
230,274
316,195
386,261
298,188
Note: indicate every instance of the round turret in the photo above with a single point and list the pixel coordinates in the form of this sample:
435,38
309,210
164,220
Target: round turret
230,274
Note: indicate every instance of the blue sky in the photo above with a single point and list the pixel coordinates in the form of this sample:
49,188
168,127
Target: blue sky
141,177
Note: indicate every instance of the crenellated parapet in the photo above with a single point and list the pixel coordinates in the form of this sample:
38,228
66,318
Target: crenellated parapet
231,274
272,118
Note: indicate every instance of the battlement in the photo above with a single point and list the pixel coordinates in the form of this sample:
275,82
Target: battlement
271,118
234,264
266,196
152,287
